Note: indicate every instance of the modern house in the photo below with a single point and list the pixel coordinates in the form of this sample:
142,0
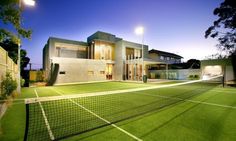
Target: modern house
103,57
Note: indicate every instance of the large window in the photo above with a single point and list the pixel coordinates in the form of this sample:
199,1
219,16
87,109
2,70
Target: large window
103,51
137,53
70,50
129,53
132,53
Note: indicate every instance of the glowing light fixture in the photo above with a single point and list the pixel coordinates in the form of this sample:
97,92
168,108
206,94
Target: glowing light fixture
29,2
139,30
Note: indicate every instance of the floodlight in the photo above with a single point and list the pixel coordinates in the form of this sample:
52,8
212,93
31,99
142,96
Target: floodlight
29,2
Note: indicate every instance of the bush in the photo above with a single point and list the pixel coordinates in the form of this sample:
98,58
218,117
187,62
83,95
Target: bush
22,82
193,77
196,77
190,77
8,85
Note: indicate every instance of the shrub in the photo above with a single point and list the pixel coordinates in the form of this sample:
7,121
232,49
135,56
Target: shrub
193,77
196,77
190,77
8,85
22,82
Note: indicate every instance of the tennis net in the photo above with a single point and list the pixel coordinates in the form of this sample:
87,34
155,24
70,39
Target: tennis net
58,117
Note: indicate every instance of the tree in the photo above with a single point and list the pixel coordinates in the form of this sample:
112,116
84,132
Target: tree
224,28
10,13
12,49
193,64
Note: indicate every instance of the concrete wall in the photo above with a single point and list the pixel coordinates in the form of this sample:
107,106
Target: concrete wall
49,51
119,57
79,70
181,74
229,73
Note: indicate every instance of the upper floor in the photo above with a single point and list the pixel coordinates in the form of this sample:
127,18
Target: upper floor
99,46
162,56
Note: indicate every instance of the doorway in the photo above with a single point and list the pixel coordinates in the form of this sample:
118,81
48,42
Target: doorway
109,71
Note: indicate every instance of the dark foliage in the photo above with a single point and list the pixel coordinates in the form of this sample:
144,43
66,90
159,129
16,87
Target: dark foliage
224,28
190,64
10,14
12,49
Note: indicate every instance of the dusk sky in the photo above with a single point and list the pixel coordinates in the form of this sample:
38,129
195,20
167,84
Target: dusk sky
176,26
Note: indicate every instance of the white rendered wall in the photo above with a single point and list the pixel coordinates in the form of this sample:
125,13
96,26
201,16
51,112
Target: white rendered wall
79,70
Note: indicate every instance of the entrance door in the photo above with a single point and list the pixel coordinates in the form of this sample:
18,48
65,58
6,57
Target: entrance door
109,71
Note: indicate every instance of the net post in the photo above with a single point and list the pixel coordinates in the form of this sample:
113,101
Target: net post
26,122
223,80
224,73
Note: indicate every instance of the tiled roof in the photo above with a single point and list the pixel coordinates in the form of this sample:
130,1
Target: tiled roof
164,53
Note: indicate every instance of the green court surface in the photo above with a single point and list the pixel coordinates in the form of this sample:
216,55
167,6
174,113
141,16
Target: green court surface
192,112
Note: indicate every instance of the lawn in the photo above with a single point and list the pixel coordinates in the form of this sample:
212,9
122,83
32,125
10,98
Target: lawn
194,112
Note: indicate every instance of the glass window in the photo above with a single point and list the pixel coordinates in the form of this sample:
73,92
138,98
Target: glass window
103,51
162,57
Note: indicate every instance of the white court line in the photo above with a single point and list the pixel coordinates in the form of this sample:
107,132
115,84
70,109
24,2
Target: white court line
192,101
108,122
45,119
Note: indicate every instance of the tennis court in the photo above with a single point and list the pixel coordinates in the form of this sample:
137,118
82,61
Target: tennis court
173,111
178,111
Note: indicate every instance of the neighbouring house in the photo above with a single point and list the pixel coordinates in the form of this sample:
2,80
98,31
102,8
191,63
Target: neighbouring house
103,57
167,57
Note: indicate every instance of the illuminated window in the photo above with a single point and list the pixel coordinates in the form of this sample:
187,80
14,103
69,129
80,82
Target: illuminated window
102,51
137,53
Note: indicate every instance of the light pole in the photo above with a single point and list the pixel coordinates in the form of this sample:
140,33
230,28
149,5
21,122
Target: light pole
29,3
140,31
